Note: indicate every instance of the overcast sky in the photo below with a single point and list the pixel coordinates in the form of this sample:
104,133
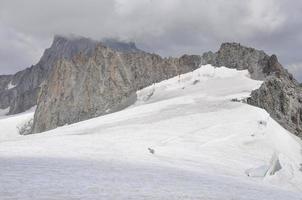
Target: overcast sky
166,27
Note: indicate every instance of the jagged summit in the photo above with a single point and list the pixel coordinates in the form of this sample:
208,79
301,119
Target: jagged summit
66,47
234,55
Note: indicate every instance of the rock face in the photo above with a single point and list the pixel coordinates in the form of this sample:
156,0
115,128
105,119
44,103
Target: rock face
5,96
281,96
87,86
234,55
19,92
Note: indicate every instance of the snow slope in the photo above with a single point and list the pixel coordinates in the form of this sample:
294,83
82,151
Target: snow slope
205,147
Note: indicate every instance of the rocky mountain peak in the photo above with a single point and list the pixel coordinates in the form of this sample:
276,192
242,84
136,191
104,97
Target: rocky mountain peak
234,46
274,67
257,62
65,48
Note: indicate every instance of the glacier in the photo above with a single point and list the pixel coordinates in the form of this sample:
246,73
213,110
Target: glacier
205,146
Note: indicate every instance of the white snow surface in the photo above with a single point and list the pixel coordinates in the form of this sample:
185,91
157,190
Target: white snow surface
10,86
205,146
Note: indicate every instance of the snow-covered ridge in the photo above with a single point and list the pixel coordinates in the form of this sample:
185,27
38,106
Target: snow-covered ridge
194,82
183,139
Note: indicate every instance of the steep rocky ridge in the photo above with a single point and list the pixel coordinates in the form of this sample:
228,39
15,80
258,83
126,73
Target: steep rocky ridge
234,55
281,96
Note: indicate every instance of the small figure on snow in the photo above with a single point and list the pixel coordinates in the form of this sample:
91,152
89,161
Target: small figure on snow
151,150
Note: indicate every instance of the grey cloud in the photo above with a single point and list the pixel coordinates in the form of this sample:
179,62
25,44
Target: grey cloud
17,50
168,27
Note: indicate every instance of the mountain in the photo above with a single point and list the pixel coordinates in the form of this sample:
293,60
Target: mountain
111,78
206,145
78,78
121,123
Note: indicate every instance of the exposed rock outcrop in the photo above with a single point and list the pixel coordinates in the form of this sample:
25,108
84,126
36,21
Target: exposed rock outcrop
281,96
234,55
19,92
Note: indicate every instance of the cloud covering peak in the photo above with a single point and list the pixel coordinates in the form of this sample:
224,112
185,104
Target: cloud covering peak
168,27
